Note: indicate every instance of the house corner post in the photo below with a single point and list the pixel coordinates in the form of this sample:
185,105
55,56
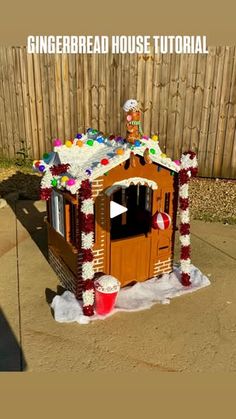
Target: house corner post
188,168
86,221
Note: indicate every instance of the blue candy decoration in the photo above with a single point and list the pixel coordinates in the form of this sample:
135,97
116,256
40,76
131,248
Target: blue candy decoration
41,168
79,136
137,143
100,139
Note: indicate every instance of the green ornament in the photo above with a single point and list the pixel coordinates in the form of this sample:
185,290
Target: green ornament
172,173
152,151
90,142
54,182
46,155
106,174
132,147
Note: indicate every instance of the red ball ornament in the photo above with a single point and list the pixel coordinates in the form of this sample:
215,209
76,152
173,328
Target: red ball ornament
104,162
161,221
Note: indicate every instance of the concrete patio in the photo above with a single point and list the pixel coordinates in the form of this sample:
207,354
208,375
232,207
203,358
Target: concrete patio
196,332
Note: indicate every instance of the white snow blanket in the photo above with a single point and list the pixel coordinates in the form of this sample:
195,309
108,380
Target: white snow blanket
137,297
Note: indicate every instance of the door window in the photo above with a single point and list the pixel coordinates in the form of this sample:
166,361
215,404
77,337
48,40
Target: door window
137,220
58,213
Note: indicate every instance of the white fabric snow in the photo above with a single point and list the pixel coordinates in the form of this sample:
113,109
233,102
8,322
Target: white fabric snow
67,309
134,298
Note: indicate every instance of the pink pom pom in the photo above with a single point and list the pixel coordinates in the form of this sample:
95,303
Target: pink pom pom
57,143
177,162
70,182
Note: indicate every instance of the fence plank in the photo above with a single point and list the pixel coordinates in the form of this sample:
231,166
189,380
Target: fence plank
46,102
223,111
19,95
231,123
87,107
72,92
189,102
94,90
80,93
102,92
172,105
59,97
13,99
198,101
206,108
3,127
26,104
156,86
164,95
211,143
52,95
39,104
217,157
148,94
33,110
7,104
66,95
180,106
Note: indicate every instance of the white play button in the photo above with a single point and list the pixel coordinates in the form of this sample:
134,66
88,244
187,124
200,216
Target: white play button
116,209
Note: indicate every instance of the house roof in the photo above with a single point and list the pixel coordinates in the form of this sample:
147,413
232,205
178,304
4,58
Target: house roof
91,155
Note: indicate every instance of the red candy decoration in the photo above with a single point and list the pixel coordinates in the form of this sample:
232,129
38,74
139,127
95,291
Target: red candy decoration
104,162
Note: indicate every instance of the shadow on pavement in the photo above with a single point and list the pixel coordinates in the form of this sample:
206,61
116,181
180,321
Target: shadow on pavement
11,354
21,191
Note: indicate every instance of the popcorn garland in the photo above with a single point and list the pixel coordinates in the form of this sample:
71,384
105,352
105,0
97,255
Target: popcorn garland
87,238
188,168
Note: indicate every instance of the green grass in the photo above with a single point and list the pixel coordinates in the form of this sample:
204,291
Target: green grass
16,163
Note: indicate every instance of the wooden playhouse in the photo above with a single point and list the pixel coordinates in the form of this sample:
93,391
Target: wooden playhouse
81,179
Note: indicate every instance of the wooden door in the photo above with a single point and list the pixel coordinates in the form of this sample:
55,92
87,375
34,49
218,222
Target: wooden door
130,235
130,259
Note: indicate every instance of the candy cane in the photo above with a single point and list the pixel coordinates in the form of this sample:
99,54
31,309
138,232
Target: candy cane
188,168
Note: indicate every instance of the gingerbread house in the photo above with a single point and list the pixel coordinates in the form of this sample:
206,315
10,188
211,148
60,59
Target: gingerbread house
81,179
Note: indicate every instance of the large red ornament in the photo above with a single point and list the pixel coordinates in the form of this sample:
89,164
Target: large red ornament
161,221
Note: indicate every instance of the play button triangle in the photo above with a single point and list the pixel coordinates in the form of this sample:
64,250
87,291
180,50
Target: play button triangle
116,209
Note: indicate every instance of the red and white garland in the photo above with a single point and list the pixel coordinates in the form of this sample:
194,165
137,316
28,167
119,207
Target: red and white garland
188,168
86,225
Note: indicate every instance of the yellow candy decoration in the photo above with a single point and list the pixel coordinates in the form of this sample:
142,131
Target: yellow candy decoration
155,137
163,155
68,143
64,179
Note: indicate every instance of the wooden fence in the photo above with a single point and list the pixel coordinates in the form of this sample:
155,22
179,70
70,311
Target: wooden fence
189,100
